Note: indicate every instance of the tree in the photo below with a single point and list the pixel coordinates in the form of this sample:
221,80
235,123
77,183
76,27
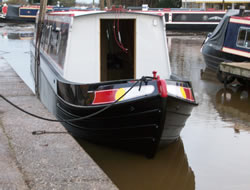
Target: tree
34,1
65,3
169,3
17,2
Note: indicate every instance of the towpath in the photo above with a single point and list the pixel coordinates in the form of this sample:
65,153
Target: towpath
49,161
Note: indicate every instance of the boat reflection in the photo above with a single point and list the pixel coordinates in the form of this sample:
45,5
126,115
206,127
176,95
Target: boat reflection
234,103
17,36
168,170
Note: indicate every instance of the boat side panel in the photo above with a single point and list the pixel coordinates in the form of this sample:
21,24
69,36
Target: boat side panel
84,51
151,47
177,113
232,36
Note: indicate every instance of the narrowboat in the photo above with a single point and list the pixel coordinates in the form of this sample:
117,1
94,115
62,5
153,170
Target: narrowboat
183,19
229,42
106,75
20,13
193,19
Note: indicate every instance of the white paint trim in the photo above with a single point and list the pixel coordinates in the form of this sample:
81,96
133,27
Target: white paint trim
240,21
201,23
236,52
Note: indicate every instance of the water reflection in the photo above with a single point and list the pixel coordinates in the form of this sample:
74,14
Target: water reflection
169,170
18,36
234,103
15,49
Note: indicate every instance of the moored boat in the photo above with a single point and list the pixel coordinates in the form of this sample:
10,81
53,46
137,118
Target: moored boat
229,42
95,74
184,19
20,13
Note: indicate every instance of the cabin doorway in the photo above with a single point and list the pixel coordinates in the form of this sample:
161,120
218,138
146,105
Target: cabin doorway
117,49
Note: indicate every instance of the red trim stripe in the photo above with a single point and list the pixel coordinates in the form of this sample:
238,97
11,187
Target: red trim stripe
189,94
104,96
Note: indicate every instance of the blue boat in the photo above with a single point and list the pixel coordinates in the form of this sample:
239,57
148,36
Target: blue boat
19,13
229,42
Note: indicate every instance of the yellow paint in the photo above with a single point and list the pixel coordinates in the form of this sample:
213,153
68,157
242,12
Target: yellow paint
183,93
119,93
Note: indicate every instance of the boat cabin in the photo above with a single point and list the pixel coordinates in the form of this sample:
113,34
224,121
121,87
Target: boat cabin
96,46
237,38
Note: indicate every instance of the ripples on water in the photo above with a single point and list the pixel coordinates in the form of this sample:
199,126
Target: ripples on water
213,152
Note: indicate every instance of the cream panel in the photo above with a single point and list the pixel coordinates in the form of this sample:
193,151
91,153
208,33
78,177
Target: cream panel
152,52
83,58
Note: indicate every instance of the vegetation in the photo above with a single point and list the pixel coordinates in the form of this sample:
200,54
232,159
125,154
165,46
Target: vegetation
17,2
70,3
65,3
151,3
169,3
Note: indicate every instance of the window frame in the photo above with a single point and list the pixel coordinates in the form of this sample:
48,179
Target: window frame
247,29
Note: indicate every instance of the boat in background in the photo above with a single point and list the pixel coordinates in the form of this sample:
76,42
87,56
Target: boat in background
95,75
187,19
174,18
192,19
21,13
229,42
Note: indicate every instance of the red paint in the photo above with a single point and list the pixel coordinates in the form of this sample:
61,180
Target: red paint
154,74
241,18
104,96
162,87
189,94
5,9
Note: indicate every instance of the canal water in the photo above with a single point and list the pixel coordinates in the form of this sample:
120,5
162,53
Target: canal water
213,152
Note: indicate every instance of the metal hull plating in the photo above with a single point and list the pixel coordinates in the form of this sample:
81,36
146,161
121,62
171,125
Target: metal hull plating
191,27
138,126
214,57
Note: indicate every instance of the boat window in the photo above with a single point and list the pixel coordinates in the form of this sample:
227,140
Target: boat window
54,41
248,39
243,39
46,37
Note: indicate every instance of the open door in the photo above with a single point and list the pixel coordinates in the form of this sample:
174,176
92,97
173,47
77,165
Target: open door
117,49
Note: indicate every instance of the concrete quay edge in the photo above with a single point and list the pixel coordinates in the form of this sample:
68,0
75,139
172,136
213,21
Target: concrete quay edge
50,161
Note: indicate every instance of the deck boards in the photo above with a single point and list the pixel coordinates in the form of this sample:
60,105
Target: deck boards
241,69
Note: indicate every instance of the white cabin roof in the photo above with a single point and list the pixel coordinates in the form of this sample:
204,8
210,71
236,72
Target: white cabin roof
77,13
85,55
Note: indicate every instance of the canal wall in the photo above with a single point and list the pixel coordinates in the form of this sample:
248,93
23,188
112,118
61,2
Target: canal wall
48,161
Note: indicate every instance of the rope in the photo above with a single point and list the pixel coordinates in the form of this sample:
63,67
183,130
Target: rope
143,79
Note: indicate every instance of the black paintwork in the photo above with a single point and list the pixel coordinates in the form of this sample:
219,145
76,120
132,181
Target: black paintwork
214,57
191,27
135,125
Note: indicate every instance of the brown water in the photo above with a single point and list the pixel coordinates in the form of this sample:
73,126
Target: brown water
213,152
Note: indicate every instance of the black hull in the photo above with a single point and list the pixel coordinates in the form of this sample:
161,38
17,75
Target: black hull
191,27
134,126
177,113
18,20
140,125
13,15
213,57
